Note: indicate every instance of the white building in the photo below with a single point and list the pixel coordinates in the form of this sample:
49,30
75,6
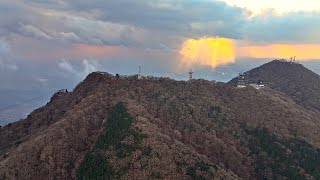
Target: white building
257,86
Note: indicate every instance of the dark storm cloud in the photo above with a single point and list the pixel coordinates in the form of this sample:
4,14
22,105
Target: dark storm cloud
173,17
148,24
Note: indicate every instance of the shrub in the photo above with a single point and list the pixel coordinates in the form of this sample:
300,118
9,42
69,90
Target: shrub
94,167
273,152
118,127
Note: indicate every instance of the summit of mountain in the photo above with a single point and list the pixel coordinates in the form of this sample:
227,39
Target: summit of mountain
290,78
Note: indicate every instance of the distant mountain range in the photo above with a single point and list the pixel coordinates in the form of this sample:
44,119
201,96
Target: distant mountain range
113,127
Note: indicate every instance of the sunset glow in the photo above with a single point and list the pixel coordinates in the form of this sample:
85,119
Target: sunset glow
301,51
207,51
220,51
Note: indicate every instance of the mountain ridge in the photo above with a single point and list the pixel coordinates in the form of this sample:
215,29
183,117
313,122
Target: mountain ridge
195,129
292,79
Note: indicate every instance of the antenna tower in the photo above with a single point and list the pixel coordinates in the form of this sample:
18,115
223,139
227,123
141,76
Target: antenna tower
190,74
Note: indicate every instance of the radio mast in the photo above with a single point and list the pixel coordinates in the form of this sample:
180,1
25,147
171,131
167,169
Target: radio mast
190,74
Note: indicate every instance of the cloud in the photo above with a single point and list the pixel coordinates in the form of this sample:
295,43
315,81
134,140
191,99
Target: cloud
81,70
89,66
6,57
93,31
161,14
42,80
69,36
146,24
283,6
30,30
4,47
65,65
37,33
211,52
296,27
150,24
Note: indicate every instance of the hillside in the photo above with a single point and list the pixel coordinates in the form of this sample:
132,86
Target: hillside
125,128
292,79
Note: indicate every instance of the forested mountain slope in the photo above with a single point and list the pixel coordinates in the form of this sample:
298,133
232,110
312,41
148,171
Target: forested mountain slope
293,79
158,128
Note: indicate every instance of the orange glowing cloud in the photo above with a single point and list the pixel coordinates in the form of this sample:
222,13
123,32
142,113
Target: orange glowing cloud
207,51
214,52
301,51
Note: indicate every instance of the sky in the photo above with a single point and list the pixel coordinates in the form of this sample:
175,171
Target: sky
46,45
283,6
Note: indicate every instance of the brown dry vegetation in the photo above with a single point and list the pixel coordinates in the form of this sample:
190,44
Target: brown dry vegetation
187,125
294,80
